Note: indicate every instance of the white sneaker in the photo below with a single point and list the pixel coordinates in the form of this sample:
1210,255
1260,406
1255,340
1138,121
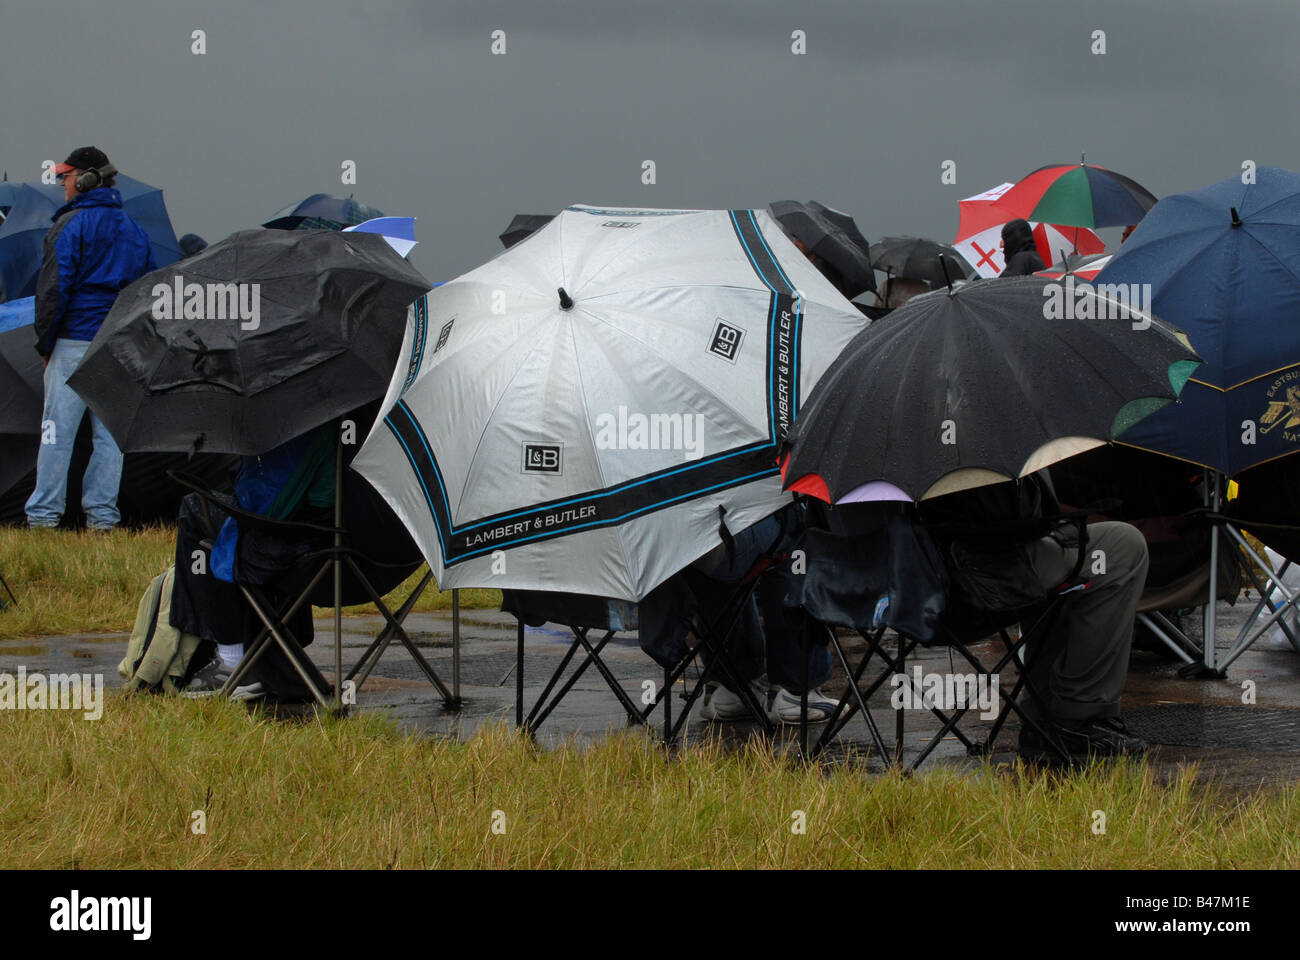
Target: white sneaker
783,706
719,703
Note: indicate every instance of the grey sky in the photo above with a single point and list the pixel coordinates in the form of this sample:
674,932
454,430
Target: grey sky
443,130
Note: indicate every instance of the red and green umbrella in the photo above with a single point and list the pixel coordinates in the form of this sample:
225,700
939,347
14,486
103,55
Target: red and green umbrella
1077,195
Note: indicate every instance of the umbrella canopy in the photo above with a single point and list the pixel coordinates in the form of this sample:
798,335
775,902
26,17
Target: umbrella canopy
320,211
915,258
22,394
522,226
979,234
1223,263
1085,266
23,231
1077,195
834,238
251,342
573,414
957,390
398,231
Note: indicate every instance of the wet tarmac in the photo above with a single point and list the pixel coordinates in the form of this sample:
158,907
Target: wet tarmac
1242,731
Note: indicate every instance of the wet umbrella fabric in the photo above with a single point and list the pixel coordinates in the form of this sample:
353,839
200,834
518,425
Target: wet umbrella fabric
285,331
22,395
398,231
522,226
979,234
834,238
1077,195
915,258
952,391
23,232
321,211
645,366
1085,266
1223,263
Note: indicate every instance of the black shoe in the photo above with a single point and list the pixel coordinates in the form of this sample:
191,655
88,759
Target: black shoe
1100,737
1079,741
1033,747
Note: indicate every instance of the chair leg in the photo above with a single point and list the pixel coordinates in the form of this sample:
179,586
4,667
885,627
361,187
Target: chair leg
846,710
262,642
370,658
292,650
394,626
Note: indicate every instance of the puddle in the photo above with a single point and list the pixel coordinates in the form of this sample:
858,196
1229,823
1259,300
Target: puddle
24,650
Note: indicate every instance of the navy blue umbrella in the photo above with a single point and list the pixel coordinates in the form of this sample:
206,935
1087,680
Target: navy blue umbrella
34,204
320,211
1223,263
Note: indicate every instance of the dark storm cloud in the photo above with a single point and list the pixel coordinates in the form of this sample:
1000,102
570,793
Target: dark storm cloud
710,91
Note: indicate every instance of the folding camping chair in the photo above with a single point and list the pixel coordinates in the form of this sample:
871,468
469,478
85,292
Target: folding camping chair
846,584
582,614
1266,506
350,553
850,585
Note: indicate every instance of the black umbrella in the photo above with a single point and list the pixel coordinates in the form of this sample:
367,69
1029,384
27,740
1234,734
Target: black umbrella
956,390
523,226
145,494
286,330
22,397
841,250
320,211
916,258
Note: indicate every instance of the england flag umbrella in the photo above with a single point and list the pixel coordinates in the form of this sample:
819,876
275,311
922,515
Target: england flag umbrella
586,411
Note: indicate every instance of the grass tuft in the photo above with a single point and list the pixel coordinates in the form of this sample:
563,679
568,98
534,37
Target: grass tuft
122,792
72,583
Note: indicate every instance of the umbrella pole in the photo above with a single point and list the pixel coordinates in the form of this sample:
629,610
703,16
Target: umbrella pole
455,645
1212,499
338,570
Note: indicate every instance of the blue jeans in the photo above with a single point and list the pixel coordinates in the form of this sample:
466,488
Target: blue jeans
60,420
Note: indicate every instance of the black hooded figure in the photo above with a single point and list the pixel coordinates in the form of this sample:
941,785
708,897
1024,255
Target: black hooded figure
1018,249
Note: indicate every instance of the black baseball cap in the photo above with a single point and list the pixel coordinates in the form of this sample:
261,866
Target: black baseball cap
83,158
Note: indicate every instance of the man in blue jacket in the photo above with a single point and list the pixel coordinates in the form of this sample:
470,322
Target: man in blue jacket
93,250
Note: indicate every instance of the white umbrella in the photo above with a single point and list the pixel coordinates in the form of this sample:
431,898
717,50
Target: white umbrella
571,415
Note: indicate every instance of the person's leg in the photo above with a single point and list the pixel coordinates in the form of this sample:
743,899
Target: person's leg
103,476
60,418
1082,659
784,629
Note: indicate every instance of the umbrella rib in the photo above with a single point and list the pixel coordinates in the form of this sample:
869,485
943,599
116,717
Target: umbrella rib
704,388
600,467
488,420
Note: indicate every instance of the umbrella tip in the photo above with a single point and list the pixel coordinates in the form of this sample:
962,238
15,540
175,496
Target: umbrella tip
566,301
1236,220
947,278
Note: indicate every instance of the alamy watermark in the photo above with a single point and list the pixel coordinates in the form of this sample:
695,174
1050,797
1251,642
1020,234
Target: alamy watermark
75,913
946,691
179,300
1102,301
655,431
58,691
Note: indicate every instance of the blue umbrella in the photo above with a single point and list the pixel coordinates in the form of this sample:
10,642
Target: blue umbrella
18,313
320,211
23,231
1223,263
9,190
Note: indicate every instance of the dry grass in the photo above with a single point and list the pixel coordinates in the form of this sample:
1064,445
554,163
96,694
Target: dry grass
89,583
122,792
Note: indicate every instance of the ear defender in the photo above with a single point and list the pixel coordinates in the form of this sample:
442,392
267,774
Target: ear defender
94,177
